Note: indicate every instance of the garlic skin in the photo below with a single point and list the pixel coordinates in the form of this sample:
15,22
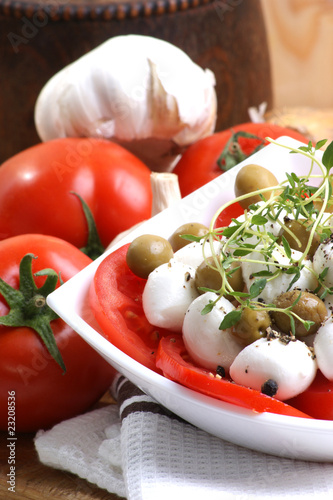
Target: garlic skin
140,91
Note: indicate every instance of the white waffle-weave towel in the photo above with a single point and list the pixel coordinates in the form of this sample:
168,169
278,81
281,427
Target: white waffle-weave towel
140,451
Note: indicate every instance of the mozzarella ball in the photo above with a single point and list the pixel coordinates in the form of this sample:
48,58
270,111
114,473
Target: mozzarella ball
169,290
327,220
279,284
323,347
205,342
271,226
328,301
291,365
323,258
195,253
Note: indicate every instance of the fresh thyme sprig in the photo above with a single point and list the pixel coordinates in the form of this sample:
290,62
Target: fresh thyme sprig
294,198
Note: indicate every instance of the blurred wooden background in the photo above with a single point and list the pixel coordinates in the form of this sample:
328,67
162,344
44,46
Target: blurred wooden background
300,39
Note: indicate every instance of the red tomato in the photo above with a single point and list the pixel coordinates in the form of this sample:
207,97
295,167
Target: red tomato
36,186
231,212
43,394
174,361
116,299
210,157
317,401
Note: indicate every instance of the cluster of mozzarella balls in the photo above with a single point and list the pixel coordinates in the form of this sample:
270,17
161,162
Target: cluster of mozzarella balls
259,351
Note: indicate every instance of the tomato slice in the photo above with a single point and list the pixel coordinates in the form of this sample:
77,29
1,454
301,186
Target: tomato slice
116,300
317,400
173,360
231,212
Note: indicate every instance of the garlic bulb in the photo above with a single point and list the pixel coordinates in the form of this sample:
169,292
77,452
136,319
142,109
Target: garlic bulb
139,91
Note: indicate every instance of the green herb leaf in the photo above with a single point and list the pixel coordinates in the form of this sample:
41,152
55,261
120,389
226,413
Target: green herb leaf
286,247
230,319
320,144
257,287
227,261
241,252
295,278
259,220
229,231
290,179
240,294
308,324
232,271
208,308
191,237
323,274
328,157
263,273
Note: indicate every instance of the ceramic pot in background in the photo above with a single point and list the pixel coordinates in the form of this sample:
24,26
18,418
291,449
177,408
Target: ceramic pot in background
38,38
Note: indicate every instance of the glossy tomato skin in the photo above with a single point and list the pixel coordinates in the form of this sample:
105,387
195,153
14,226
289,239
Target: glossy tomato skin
36,186
317,401
44,395
198,165
116,299
174,361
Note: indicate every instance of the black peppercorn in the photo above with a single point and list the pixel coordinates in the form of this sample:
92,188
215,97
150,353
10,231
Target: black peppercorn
270,387
220,371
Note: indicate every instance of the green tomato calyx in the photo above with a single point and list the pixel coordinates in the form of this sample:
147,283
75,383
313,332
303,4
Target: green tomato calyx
28,306
94,247
233,154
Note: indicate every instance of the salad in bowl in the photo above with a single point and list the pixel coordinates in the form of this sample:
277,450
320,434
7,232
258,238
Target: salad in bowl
220,307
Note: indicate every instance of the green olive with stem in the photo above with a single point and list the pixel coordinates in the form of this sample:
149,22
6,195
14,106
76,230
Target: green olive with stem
251,326
304,304
192,228
298,236
207,276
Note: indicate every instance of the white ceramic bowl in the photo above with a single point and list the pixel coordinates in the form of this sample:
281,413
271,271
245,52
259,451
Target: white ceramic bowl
292,437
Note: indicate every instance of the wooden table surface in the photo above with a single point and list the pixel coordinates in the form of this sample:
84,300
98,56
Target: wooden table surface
34,481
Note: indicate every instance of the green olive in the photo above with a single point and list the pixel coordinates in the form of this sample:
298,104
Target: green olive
207,276
252,325
308,307
235,277
250,178
318,203
147,252
300,228
193,228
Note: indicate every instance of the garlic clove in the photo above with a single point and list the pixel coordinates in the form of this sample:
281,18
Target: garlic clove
165,190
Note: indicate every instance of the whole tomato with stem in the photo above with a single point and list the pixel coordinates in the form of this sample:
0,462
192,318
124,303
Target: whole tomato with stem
48,373
42,190
211,156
